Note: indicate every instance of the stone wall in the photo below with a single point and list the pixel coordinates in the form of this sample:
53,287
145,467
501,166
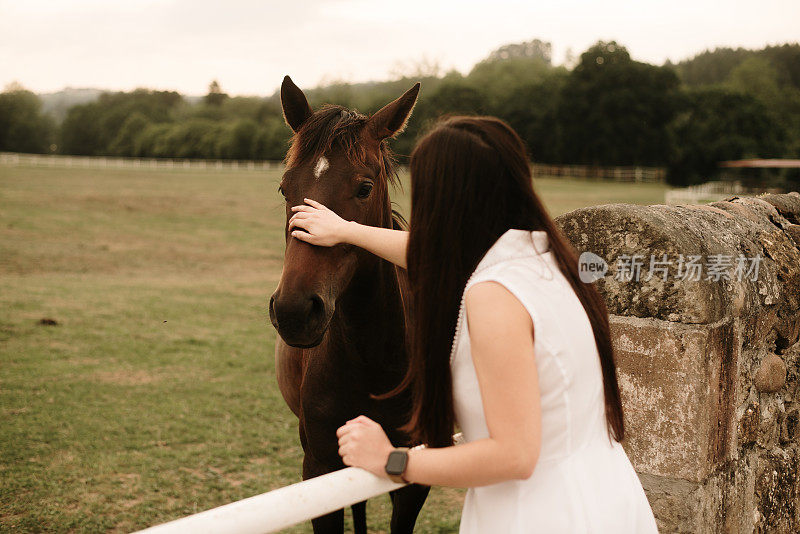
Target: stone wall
708,362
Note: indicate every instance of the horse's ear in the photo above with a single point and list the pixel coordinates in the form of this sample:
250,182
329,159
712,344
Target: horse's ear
295,106
391,119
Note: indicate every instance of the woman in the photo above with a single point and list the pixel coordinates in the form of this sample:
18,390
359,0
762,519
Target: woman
505,339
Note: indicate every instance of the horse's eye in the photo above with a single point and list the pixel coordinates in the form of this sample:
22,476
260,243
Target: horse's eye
364,190
281,191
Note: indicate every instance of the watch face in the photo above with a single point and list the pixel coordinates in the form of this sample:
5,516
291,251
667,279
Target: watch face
396,463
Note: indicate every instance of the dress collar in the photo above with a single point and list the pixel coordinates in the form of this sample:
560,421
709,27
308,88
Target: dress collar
515,244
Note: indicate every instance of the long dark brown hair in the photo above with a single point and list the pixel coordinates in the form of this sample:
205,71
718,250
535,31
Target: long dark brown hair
470,182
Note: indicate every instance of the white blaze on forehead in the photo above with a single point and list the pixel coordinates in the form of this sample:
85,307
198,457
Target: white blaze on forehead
321,166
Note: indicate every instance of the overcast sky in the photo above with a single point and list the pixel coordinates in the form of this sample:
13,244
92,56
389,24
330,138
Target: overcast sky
249,45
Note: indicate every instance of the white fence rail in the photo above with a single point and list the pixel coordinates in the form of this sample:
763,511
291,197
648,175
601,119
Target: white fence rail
284,507
287,506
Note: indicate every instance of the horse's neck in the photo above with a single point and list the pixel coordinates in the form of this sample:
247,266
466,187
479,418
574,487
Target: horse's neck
373,289
373,294
369,314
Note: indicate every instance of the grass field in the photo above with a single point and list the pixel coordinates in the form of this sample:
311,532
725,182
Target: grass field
154,395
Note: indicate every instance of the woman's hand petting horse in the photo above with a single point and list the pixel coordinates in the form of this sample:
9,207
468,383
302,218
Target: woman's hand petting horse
322,226
363,443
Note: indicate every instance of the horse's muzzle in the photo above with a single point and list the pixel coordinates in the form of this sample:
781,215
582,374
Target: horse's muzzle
301,320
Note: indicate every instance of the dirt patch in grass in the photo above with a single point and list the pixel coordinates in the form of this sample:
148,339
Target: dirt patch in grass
132,377
62,458
127,478
240,478
81,360
16,411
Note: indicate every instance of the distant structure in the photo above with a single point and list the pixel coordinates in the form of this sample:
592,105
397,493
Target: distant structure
761,164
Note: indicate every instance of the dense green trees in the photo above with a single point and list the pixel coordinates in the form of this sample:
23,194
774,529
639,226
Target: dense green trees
608,110
23,127
612,110
616,111
91,129
532,109
162,124
718,124
739,103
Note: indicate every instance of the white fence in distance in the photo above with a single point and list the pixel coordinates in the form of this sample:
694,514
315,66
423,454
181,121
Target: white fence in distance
702,193
621,174
711,192
101,162
616,174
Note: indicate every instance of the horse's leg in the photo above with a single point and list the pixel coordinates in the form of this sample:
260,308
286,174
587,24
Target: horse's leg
407,502
332,523
359,517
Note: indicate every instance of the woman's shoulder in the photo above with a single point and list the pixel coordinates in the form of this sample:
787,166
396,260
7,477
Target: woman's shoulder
501,288
494,306
524,272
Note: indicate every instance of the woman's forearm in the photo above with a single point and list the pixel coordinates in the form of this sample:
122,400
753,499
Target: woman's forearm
389,244
478,463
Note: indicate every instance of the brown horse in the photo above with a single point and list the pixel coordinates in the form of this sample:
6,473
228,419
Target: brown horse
339,311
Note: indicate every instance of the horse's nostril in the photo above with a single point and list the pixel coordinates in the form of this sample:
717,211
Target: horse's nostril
271,310
317,306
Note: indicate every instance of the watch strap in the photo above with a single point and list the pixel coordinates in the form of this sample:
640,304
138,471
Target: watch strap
397,479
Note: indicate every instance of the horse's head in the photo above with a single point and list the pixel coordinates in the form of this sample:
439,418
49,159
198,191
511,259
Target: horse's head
340,158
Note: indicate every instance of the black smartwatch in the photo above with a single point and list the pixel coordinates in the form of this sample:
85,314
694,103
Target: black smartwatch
396,465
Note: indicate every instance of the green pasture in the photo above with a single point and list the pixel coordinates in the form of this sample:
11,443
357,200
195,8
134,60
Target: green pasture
154,395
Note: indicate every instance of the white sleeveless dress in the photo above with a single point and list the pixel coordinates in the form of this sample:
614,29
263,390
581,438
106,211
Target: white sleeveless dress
583,482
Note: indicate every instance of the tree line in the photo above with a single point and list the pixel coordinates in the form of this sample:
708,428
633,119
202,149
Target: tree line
606,110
